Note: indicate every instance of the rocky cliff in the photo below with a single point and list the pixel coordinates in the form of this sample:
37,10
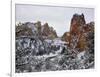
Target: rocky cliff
48,31
79,32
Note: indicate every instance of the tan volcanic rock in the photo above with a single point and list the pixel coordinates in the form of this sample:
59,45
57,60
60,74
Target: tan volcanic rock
79,32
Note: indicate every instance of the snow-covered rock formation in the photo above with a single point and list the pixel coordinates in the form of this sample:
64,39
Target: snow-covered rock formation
38,48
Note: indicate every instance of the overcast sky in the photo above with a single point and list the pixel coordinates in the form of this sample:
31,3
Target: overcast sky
57,17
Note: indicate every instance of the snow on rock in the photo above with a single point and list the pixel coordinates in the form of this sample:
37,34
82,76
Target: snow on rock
39,50
80,56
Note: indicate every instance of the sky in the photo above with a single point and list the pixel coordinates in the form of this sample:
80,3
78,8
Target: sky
57,17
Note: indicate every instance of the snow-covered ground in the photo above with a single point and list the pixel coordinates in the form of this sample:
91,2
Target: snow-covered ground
46,55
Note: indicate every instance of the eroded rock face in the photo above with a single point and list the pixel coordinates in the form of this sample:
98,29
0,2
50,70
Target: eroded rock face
76,29
66,37
79,32
48,31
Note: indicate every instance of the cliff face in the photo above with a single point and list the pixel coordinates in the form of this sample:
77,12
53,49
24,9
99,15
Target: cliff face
78,36
66,37
76,31
48,31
